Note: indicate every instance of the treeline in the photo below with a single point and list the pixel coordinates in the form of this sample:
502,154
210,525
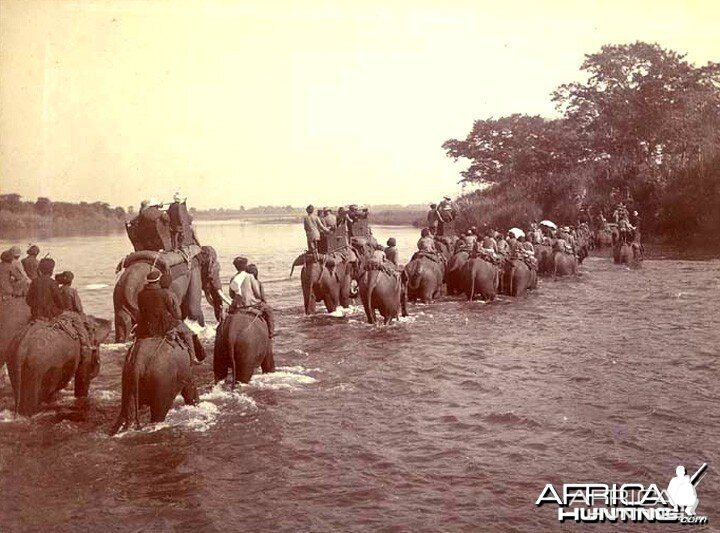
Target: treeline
45,218
386,214
644,128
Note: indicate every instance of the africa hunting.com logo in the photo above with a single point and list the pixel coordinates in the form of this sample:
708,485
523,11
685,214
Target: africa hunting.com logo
629,502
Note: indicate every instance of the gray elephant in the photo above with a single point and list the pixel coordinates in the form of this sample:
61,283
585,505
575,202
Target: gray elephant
454,272
189,281
425,277
14,316
564,264
156,370
242,343
327,278
43,358
384,292
480,277
517,277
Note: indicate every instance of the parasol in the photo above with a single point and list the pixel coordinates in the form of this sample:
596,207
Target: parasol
549,224
517,232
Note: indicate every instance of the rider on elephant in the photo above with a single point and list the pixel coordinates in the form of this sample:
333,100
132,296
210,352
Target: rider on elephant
30,263
391,252
313,226
159,316
446,209
18,269
489,242
426,242
45,300
246,292
503,248
69,295
10,285
330,219
433,219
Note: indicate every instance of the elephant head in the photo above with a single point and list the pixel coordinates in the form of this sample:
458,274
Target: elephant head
211,283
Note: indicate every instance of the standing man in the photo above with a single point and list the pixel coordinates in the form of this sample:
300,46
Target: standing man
433,219
18,269
30,263
313,226
177,216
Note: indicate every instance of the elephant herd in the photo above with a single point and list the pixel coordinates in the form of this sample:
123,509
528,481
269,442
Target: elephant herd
426,277
43,359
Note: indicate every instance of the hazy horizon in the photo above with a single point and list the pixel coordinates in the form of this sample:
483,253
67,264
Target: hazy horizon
287,103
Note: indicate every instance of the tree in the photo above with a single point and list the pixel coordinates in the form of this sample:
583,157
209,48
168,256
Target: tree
43,206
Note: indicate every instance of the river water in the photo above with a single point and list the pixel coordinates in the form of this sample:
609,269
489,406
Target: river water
452,420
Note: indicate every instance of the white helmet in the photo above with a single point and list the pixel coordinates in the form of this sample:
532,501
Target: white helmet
153,202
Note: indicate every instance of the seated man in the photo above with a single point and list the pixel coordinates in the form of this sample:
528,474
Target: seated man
43,296
391,252
69,295
426,242
446,209
46,303
246,291
30,263
159,315
10,286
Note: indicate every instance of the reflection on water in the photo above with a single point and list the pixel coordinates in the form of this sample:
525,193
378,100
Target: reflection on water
452,420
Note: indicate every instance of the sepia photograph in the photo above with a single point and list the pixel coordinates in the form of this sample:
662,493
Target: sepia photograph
363,266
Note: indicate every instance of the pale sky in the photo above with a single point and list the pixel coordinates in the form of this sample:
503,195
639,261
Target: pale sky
277,102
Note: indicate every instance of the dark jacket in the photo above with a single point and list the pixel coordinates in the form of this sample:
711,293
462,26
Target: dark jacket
70,299
158,312
44,298
30,264
392,254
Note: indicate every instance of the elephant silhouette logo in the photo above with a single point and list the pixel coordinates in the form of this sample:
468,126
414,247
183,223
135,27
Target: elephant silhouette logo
681,490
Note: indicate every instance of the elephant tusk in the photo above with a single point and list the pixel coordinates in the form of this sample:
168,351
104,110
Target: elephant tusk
224,297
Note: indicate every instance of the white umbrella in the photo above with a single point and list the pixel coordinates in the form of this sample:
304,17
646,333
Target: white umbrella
549,224
517,232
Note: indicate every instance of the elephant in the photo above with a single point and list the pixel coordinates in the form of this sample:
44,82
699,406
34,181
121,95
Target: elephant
626,253
14,315
425,278
242,343
543,253
327,278
156,370
480,277
201,275
517,277
564,264
603,237
43,358
454,272
383,292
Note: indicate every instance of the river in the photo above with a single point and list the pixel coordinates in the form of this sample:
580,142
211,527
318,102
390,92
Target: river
453,419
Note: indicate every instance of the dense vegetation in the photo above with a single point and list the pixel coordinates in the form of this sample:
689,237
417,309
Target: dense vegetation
643,128
46,218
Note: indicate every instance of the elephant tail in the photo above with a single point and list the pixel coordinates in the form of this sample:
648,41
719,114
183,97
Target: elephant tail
130,405
472,282
230,339
371,288
415,277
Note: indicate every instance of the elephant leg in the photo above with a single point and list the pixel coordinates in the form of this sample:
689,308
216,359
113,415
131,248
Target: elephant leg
220,357
28,401
190,393
245,367
268,364
159,409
